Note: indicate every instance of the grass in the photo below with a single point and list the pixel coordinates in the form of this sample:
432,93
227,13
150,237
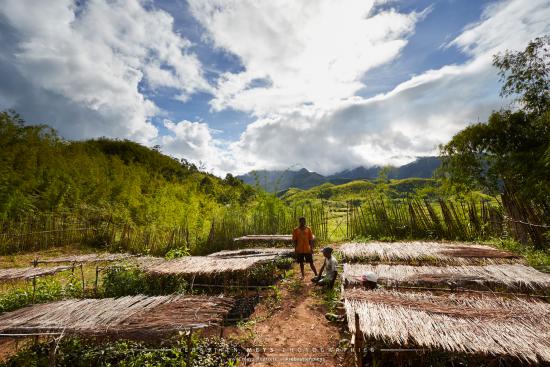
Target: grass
25,258
536,258
296,286
47,290
329,298
66,284
247,326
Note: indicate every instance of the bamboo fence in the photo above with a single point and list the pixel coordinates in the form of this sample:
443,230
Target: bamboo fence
413,218
269,226
42,231
265,240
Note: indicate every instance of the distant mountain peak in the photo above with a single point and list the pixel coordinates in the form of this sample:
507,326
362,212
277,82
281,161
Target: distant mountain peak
280,180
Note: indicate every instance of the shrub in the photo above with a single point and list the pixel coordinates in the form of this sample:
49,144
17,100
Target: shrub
128,280
76,352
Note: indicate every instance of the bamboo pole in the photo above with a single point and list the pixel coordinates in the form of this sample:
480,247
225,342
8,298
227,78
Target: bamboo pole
358,346
82,276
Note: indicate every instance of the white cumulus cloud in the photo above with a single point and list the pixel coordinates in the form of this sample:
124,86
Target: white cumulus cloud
195,142
409,121
299,52
83,66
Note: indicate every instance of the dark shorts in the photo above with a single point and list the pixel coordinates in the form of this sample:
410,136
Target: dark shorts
308,258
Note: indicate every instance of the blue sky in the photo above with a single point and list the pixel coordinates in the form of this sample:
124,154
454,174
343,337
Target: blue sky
248,84
424,51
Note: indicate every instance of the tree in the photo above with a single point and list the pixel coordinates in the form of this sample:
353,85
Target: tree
527,74
510,152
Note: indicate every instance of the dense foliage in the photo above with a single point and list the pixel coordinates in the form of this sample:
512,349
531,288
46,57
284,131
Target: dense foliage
75,352
510,153
106,184
41,172
45,290
509,150
129,280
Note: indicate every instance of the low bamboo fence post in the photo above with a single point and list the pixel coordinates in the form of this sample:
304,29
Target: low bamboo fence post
51,357
82,276
33,288
222,326
192,283
189,343
358,346
96,279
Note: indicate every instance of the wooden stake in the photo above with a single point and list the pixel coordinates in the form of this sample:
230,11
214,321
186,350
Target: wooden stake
192,283
33,288
96,279
82,275
358,343
222,327
189,345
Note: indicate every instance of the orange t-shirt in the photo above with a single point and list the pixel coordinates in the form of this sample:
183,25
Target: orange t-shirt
302,237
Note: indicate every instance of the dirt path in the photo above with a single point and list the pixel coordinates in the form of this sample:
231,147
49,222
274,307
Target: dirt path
293,331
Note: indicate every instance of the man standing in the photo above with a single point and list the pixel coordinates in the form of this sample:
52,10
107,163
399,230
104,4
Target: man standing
303,245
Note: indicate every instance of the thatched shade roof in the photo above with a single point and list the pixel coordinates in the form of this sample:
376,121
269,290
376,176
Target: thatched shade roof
29,273
205,265
453,323
506,276
254,252
264,239
147,261
426,253
137,316
87,258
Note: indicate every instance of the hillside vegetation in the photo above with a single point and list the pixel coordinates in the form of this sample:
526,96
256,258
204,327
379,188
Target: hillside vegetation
46,182
357,190
40,172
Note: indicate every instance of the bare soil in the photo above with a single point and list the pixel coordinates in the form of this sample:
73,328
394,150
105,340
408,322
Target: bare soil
293,331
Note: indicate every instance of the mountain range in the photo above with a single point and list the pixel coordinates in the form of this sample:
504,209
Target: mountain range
279,180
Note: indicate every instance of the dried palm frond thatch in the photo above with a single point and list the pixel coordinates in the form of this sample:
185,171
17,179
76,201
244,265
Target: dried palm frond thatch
147,261
29,273
487,326
489,277
254,252
432,253
87,258
206,265
136,316
267,239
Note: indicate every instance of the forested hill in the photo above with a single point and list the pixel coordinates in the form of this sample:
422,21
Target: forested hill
276,181
41,173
